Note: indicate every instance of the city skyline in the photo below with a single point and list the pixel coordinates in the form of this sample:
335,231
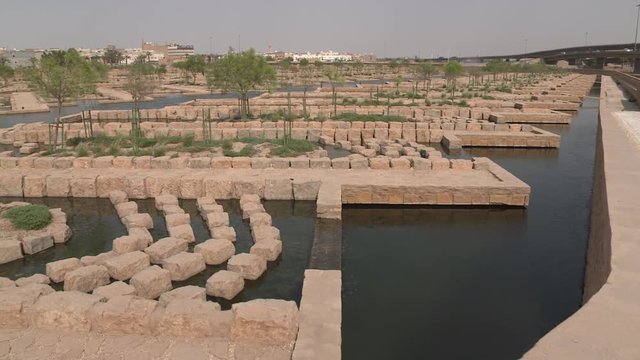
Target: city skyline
403,29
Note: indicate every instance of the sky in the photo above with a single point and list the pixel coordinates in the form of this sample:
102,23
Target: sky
399,28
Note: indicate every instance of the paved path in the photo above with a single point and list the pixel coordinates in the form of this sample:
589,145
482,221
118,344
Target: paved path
27,102
114,94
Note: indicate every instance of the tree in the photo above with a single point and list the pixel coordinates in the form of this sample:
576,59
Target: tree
426,71
241,72
452,70
398,80
304,62
6,73
306,80
62,75
139,82
113,56
194,65
335,77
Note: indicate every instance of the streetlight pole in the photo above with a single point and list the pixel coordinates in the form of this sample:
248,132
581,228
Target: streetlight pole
586,37
635,42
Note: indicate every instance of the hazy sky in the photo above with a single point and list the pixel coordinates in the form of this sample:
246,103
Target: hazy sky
392,28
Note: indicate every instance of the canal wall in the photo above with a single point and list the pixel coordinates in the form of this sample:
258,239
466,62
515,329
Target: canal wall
608,324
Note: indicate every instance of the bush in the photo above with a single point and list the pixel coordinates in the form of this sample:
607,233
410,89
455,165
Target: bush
29,217
293,147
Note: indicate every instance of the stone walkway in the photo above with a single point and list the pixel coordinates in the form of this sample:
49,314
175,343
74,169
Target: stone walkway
35,344
27,102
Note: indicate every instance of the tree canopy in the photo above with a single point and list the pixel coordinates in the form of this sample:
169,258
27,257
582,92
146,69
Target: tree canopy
113,57
139,81
194,65
241,72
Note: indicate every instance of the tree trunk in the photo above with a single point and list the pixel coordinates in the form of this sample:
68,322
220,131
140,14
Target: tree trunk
55,136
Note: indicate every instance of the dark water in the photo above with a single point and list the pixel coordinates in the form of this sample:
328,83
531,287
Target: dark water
465,283
175,99
95,224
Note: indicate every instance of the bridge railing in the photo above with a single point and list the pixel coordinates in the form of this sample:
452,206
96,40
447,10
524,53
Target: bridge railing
630,82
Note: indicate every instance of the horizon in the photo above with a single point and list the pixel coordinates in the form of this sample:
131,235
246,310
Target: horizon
408,28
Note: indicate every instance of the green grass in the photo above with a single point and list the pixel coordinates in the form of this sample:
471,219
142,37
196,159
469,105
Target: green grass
292,147
362,117
29,217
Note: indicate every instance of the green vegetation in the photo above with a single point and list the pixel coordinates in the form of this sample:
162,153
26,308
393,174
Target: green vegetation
113,56
29,217
6,72
363,117
241,72
292,148
193,65
452,70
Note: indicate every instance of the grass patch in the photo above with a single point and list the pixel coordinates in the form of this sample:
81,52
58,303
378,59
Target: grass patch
29,217
292,148
362,117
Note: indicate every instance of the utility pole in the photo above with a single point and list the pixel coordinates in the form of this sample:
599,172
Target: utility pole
586,38
210,45
635,42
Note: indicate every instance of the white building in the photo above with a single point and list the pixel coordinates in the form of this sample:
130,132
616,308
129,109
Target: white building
323,56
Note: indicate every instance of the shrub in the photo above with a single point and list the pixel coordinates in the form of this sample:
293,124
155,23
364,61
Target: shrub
29,217
293,147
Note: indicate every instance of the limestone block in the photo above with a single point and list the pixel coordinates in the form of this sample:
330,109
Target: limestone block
215,251
221,162
151,282
136,188
379,163
400,164
280,163
138,220
142,162
123,162
58,185
269,249
63,310
118,197
299,163
123,314
340,163
10,250
359,163
172,209
260,163
180,162
56,270
184,265
249,199
16,303
34,185
252,208
6,282
242,187
241,162
162,185
32,244
199,163
165,248
125,244
218,189
82,163
420,164
306,189
264,232
461,164
225,284
141,233
162,200
191,187
223,232
177,219
116,288
102,162
320,163
261,218
86,278
188,292
43,163
250,266
106,183
217,219
193,318
440,164
267,321
33,279
184,232
123,267
161,162
98,259
210,208
125,209
205,200
278,189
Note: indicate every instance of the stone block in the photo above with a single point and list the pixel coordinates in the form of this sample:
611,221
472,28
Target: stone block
86,278
118,197
6,283
125,244
265,320
123,314
172,209
261,218
165,248
188,292
264,232
184,232
177,219
217,219
280,163
34,185
215,251
98,259
63,310
191,186
260,163
33,279
162,200
199,163
16,303
138,220
35,243
56,270
10,250
299,163
151,282
102,162
400,164
218,188
136,188
320,163
306,190
116,288
193,318
141,233
269,249
58,186
107,183
221,162
379,163
250,266
184,265
10,184
123,267
440,164
223,232
242,187
210,208
125,209
461,164
278,189
225,284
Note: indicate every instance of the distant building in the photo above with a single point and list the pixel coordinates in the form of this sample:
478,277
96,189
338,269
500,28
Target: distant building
21,58
169,52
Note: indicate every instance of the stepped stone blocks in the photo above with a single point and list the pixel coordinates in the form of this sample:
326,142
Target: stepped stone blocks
138,220
269,249
151,282
194,318
56,270
63,310
125,209
268,321
123,267
86,278
165,248
225,284
184,265
125,244
189,292
251,267
215,251
123,314
264,232
16,303
184,232
10,250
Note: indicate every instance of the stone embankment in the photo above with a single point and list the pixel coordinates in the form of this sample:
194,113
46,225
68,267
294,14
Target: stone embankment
25,103
608,324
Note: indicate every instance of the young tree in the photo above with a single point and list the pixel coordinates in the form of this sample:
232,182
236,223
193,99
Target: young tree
452,70
306,80
426,71
241,72
6,73
194,65
62,75
335,77
139,82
